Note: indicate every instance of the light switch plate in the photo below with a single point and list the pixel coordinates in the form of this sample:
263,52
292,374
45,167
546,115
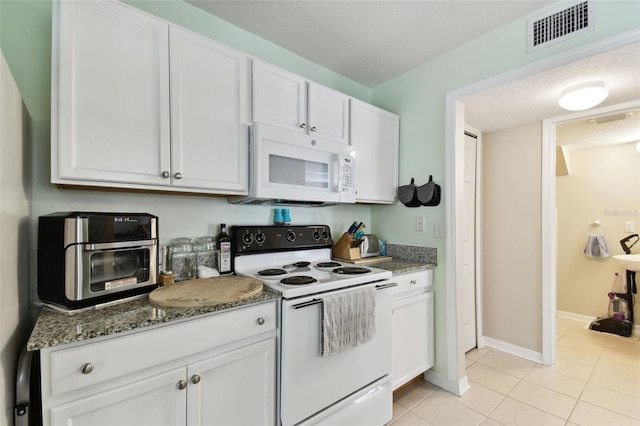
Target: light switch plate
419,223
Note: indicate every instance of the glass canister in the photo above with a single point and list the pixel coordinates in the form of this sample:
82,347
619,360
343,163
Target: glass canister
207,257
183,259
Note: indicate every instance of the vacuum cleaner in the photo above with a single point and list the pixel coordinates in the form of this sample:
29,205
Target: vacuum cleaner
619,319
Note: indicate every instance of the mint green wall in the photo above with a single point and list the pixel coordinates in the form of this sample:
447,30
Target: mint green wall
418,96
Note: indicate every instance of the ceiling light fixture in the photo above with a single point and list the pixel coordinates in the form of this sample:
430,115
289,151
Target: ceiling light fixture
583,96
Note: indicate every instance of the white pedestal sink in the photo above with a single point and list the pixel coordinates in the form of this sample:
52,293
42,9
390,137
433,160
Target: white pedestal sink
630,262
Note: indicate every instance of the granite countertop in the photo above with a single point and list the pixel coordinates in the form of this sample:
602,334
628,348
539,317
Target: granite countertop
55,328
402,266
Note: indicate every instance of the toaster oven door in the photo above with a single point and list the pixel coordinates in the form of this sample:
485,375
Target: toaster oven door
100,269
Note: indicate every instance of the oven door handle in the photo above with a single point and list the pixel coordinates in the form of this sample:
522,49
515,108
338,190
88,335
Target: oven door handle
309,303
119,245
388,285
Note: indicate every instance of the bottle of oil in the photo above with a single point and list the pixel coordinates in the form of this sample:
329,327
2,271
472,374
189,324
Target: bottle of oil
223,245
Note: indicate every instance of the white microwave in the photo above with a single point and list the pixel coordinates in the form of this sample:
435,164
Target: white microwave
287,167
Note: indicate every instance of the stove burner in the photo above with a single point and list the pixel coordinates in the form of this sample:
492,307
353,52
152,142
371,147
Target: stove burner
298,280
272,272
328,265
301,264
350,270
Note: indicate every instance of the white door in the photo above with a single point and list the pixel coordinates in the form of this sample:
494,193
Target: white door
279,97
112,95
151,401
374,135
209,114
328,113
469,230
235,388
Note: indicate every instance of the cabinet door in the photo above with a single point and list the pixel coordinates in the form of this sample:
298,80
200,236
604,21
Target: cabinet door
328,113
279,97
209,114
374,135
153,401
235,388
412,349
110,95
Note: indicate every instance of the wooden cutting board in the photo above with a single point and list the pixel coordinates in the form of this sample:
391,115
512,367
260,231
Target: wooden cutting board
205,292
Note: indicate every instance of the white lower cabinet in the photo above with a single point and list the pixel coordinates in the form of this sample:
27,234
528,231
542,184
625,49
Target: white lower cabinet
155,400
217,370
413,331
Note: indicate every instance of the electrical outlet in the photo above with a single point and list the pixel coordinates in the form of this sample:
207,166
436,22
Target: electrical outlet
629,226
419,223
438,230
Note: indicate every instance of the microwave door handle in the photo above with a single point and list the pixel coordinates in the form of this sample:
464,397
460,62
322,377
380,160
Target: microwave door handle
118,245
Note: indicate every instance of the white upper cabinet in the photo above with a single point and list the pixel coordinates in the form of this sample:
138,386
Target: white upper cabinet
284,99
110,95
209,114
375,136
138,103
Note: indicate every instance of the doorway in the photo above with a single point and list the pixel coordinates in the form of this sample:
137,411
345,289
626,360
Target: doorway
455,115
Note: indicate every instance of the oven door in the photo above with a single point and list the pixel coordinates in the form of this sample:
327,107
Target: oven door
311,383
291,166
99,269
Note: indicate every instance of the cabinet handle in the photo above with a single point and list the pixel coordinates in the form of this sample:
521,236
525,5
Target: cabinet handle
182,384
414,282
260,320
87,368
178,175
166,174
313,129
195,379
303,125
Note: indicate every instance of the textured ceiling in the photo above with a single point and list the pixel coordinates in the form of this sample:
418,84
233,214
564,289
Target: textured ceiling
369,41
536,97
592,132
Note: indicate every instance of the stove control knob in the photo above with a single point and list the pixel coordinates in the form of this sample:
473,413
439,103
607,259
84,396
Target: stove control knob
247,238
316,234
325,234
260,238
291,236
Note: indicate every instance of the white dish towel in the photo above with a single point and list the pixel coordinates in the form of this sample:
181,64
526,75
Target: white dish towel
596,246
348,320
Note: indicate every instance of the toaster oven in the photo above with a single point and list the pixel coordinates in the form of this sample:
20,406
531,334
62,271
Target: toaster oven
87,259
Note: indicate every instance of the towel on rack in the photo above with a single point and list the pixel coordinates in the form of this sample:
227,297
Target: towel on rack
348,320
596,246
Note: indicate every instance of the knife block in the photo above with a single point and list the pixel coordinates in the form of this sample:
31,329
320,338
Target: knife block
343,248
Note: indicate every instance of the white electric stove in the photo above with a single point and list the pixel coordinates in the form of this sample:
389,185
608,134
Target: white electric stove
352,387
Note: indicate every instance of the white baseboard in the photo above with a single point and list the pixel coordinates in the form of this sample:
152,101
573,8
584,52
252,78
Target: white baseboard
588,319
574,317
456,388
513,349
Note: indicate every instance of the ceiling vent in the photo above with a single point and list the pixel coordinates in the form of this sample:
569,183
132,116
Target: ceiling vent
559,25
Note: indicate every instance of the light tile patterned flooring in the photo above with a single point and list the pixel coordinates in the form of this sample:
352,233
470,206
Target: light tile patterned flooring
595,381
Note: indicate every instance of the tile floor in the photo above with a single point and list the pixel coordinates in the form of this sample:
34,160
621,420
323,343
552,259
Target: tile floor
595,381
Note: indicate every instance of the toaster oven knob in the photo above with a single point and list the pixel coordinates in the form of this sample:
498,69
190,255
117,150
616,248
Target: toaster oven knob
316,235
87,368
195,379
247,238
178,175
291,236
325,235
166,174
182,384
260,238
260,321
